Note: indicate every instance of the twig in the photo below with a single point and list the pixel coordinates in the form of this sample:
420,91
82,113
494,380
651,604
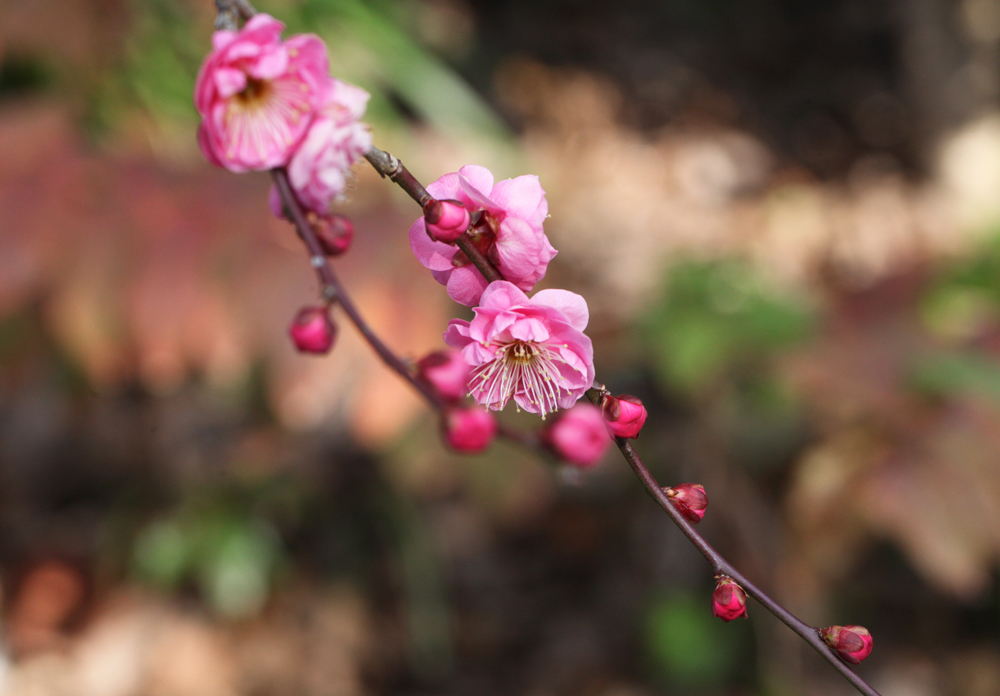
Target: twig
388,166
333,290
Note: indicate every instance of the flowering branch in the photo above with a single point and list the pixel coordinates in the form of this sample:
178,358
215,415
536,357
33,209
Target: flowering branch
333,292
530,349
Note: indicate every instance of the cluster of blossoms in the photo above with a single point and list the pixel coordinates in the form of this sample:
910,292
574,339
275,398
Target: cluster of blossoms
267,104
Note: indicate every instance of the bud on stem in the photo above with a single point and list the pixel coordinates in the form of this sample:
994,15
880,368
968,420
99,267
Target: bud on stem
689,499
625,415
313,331
446,220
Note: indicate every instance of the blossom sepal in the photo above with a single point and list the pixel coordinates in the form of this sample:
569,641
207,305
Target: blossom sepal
852,643
729,600
312,330
625,415
689,499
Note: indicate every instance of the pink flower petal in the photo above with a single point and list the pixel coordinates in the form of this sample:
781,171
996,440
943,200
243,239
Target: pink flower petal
466,285
569,303
436,256
520,197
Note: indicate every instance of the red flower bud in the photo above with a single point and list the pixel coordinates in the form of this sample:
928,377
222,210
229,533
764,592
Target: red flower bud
312,330
334,232
447,372
446,220
729,601
469,430
690,500
625,415
578,435
852,643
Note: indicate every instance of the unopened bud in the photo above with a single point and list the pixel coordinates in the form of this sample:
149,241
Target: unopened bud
690,500
578,435
313,331
729,601
469,430
447,372
852,643
446,220
334,232
625,415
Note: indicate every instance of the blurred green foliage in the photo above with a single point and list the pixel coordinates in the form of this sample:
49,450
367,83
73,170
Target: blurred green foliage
717,317
230,554
688,647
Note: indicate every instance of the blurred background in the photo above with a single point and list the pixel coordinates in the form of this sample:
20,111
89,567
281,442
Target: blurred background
785,217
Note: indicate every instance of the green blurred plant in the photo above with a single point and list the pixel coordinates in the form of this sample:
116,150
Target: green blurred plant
717,318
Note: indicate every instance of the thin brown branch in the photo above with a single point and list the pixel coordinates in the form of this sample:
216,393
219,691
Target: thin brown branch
387,165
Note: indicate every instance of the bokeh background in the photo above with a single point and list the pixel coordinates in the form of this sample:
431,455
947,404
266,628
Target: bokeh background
785,216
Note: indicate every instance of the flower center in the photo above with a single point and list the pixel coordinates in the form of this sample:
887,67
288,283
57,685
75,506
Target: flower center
520,367
254,94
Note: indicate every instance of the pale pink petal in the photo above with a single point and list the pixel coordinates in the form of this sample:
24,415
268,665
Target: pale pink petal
270,65
480,178
518,250
436,256
466,285
569,303
457,334
229,81
502,295
530,330
520,197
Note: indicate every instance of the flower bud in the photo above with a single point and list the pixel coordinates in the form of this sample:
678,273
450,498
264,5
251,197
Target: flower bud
469,430
690,500
625,415
852,643
313,331
578,435
729,601
447,372
446,220
334,232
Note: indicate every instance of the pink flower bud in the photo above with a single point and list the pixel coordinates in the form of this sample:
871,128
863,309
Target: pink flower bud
690,500
578,435
313,331
469,430
447,372
625,415
852,643
446,220
334,232
729,601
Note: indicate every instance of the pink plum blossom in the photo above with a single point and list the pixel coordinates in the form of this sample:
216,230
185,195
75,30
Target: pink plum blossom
509,232
469,430
533,350
447,372
578,436
257,95
319,168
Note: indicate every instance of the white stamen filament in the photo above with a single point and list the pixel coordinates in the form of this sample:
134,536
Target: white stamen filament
520,366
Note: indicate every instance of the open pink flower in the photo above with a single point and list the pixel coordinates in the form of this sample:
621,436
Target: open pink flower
318,170
509,232
533,350
257,95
